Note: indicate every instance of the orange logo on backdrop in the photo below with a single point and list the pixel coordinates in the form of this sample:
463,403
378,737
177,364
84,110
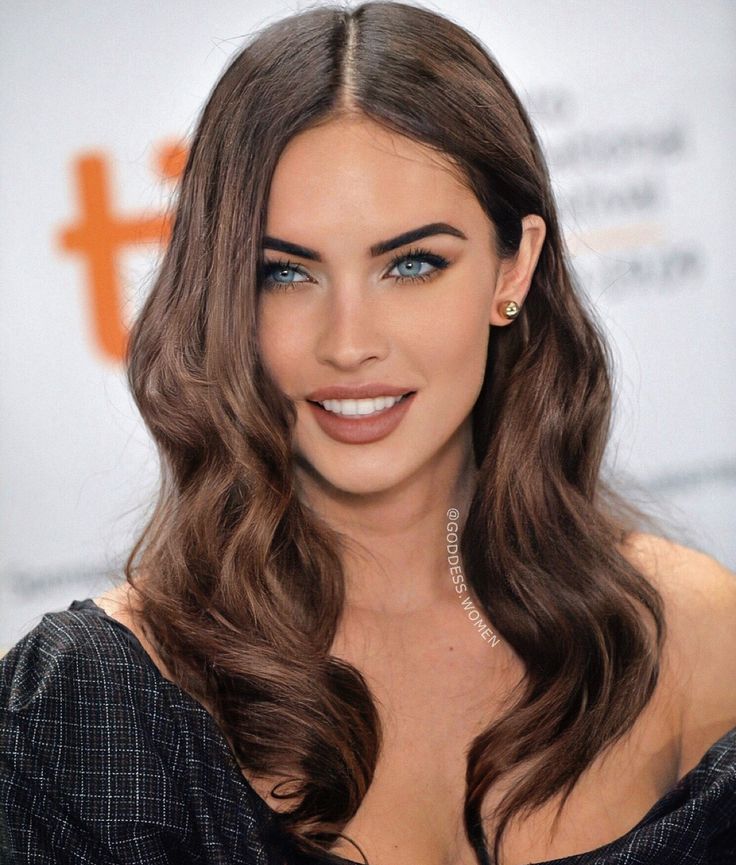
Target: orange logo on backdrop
100,233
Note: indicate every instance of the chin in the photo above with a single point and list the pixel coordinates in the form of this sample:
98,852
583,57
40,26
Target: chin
353,475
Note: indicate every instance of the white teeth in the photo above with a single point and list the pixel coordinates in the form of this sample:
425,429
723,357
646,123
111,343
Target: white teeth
354,407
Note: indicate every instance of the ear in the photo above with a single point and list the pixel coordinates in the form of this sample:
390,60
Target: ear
515,274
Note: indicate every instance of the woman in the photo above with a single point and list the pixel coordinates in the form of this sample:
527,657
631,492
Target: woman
387,600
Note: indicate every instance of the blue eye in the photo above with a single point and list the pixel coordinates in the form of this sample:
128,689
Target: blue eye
281,268
414,259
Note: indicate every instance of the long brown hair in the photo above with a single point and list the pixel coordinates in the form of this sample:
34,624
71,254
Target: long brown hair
244,584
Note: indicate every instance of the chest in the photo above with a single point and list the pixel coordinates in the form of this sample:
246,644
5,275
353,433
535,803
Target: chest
433,698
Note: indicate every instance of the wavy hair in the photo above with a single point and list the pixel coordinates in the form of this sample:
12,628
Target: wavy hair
244,585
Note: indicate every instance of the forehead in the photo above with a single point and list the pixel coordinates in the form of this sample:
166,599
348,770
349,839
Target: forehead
353,174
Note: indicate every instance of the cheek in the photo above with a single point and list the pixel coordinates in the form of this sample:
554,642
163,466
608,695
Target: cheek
455,338
462,360
279,343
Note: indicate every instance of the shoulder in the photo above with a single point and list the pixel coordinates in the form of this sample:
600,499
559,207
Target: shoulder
690,580
699,594
99,754
74,702
79,700
68,662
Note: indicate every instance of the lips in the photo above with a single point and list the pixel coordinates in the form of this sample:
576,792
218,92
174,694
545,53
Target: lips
366,390
361,429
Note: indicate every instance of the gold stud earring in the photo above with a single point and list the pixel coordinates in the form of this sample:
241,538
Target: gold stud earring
510,309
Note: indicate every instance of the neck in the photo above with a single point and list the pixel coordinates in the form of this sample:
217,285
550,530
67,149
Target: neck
395,553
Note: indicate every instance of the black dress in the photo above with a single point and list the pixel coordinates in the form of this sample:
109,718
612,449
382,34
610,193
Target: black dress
105,761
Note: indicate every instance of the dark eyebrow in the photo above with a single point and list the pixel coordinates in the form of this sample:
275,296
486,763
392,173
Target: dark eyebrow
377,248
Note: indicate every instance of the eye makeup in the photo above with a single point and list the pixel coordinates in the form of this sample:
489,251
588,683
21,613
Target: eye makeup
438,262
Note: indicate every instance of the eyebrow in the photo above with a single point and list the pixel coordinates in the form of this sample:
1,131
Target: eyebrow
377,249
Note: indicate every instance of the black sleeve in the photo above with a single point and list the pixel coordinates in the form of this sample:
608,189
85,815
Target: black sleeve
41,823
83,776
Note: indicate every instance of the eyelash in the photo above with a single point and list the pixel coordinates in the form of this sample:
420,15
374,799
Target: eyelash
438,262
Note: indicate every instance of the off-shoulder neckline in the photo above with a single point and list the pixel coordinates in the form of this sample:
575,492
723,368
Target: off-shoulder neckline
89,604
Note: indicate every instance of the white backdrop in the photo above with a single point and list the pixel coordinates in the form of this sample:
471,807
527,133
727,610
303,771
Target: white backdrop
635,103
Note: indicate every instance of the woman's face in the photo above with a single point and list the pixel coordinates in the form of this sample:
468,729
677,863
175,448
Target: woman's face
414,318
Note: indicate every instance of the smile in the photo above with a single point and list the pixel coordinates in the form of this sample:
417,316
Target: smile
361,421
361,407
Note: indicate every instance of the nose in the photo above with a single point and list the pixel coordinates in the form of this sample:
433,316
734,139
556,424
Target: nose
352,331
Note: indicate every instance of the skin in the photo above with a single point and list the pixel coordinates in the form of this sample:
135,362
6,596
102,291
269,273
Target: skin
346,319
